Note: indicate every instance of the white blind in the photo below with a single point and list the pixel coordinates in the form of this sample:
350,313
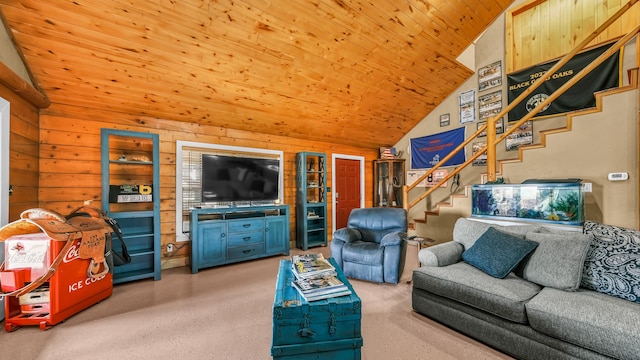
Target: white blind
191,179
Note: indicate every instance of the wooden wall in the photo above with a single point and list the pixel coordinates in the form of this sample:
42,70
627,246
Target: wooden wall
23,152
70,159
541,30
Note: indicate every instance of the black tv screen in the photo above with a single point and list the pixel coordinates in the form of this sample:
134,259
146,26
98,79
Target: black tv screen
231,178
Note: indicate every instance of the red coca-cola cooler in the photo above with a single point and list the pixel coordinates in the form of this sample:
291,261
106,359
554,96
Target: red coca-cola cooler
43,279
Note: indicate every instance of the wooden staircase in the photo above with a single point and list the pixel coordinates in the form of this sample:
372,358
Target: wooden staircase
495,167
568,124
442,216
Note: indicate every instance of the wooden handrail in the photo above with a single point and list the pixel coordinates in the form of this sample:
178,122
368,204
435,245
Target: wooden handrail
566,86
490,127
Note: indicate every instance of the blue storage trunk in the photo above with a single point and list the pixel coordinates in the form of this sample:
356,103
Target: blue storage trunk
323,329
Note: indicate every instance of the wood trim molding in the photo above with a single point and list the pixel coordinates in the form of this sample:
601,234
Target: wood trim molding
17,84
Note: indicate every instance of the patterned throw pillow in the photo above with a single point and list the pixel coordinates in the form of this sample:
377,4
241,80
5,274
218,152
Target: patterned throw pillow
613,261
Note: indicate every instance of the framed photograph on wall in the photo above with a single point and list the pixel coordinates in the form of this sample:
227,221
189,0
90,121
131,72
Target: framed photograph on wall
521,136
467,106
489,105
499,127
482,159
490,76
445,120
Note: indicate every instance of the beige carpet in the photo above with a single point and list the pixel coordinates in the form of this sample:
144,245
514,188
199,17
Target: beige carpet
225,313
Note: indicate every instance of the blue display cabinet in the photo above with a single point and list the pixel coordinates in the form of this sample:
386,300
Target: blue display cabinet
551,202
311,200
131,196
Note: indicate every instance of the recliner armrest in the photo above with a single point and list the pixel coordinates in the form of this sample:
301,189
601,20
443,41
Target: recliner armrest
393,239
347,235
441,254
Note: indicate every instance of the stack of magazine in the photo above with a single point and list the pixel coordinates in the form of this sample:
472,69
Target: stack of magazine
315,278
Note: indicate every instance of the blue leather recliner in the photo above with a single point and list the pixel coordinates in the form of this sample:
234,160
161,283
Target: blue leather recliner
372,246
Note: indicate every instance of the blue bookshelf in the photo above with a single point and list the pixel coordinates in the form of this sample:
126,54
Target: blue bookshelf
131,196
311,200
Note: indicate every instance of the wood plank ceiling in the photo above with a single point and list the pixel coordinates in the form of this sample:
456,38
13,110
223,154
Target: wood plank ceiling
348,72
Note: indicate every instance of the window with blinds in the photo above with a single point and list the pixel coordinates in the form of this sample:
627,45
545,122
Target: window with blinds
191,177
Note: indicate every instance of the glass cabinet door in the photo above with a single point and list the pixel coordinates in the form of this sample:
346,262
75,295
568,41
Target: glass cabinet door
315,179
388,181
311,200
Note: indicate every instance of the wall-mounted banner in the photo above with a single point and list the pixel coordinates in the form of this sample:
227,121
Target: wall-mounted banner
427,151
579,96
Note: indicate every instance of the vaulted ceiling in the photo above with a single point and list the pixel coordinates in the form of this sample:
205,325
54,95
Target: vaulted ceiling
350,72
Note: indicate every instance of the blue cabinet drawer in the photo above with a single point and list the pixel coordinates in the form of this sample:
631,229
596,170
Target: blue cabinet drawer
245,251
341,349
246,238
245,225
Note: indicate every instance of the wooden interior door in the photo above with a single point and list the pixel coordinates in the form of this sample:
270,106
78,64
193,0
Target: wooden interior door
347,189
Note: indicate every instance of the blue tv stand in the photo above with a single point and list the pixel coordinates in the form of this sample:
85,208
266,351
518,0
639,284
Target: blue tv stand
222,236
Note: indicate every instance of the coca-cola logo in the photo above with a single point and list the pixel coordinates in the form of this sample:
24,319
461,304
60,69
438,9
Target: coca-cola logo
23,254
73,253
32,257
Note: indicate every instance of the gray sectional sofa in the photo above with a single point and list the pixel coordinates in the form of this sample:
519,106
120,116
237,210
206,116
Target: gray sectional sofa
534,292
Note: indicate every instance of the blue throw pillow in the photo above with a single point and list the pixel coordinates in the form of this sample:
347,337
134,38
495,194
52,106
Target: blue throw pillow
612,265
498,253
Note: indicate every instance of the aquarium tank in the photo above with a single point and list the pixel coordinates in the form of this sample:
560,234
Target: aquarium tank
545,201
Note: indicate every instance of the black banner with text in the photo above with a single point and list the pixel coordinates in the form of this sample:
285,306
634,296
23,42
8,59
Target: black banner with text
579,96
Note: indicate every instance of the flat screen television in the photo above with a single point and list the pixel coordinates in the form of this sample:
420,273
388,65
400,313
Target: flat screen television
239,179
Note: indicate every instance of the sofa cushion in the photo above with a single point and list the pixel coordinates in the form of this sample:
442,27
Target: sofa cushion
558,260
375,223
467,232
498,253
442,254
586,318
466,284
363,252
612,265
